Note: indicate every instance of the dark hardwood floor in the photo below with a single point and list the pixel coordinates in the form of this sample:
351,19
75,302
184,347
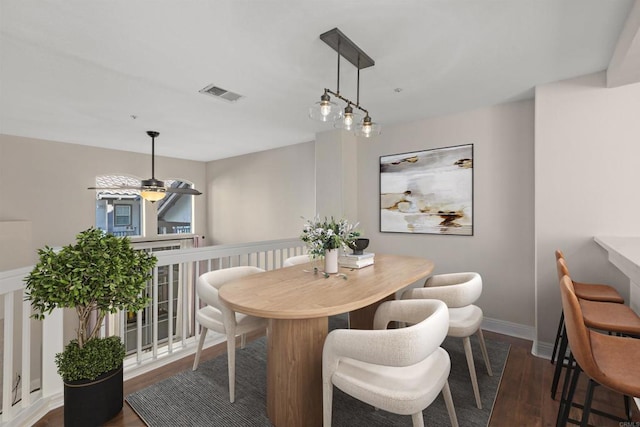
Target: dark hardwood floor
524,397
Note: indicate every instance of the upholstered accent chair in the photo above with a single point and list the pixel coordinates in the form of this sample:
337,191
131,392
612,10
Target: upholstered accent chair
399,370
459,291
294,260
216,316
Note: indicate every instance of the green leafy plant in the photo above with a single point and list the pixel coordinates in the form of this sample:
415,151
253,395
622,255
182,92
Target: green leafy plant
99,355
99,274
328,234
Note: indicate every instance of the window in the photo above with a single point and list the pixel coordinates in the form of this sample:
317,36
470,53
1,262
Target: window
175,211
118,212
122,215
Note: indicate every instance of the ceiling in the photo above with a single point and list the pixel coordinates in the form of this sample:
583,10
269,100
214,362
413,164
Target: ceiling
79,71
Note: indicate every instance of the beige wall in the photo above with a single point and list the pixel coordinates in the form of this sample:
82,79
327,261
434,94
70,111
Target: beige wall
45,183
587,146
251,199
336,157
501,249
44,196
261,196
586,142
15,245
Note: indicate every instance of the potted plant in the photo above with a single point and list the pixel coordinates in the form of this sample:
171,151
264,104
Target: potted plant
324,238
97,275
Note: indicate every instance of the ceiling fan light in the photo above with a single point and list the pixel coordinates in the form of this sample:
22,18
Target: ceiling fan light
152,190
153,194
152,183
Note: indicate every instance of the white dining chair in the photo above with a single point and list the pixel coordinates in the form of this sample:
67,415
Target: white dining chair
397,370
216,316
295,260
459,291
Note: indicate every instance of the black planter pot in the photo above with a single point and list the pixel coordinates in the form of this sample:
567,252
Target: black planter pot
93,403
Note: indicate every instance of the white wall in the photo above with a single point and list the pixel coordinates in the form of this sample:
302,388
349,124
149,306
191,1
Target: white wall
261,196
502,248
45,182
587,148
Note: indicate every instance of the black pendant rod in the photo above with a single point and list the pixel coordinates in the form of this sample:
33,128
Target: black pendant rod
358,86
153,135
338,66
353,54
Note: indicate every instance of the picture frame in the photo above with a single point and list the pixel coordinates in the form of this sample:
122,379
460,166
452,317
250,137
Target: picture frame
428,191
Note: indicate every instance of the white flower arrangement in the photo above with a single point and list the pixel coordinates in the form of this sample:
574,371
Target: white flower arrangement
328,234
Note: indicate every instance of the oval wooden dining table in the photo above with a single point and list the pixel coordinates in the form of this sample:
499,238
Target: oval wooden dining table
297,303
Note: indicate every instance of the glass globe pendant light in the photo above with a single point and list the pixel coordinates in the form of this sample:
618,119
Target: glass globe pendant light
325,110
367,128
349,119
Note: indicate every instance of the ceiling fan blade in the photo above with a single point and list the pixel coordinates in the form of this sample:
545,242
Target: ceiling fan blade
123,187
191,191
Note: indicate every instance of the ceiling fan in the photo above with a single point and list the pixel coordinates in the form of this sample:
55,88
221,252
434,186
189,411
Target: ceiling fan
152,189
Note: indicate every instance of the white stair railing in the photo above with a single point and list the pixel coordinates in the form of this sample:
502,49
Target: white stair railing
30,384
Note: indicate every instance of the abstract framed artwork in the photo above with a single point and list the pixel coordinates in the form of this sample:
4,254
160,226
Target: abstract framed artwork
429,191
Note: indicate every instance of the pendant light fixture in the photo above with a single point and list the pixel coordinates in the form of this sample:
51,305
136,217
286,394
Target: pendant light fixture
326,110
367,128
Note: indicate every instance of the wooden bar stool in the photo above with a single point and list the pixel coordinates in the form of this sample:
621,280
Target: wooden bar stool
605,316
608,360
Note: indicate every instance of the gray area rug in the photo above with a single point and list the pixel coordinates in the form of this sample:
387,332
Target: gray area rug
201,398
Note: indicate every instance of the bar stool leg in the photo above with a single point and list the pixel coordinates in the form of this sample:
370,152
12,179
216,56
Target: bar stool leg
563,397
559,364
568,390
627,407
586,409
559,335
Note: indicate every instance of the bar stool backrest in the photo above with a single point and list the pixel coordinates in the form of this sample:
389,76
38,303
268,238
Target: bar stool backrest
577,333
561,266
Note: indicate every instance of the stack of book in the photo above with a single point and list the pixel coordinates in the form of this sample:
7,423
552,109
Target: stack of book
356,261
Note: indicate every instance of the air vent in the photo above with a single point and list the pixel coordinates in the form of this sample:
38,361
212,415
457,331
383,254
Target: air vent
220,93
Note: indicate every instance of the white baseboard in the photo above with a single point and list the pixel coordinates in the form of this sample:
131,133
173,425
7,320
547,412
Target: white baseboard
538,348
542,349
38,409
509,328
